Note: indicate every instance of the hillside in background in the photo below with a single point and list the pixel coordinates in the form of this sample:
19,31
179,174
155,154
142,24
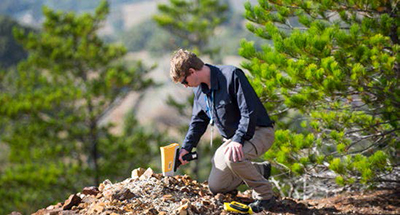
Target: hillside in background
10,51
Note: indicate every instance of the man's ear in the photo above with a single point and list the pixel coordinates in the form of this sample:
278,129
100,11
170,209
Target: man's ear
191,70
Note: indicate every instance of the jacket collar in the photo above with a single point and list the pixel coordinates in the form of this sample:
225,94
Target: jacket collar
214,72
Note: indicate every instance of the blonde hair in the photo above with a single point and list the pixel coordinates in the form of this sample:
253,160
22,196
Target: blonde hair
181,62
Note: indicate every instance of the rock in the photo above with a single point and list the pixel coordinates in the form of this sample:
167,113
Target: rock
184,189
202,193
51,207
55,211
107,182
97,208
123,194
169,180
167,197
108,194
151,211
136,173
98,196
89,199
101,187
90,191
73,200
219,197
147,174
182,210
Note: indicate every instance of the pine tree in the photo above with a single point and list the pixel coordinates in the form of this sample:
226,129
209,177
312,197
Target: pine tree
52,109
193,22
334,64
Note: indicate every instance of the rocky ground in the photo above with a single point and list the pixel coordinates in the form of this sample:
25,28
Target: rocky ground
149,193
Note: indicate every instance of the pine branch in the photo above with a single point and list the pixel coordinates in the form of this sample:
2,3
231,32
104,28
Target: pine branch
320,177
276,183
346,8
375,144
373,125
388,180
280,112
293,28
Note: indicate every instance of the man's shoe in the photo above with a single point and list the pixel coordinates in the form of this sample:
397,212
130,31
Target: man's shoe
267,169
233,192
260,205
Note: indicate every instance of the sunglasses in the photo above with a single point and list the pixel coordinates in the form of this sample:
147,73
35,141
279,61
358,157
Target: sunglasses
184,81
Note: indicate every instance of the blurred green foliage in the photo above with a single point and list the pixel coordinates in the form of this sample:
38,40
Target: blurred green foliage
193,22
52,111
148,36
338,72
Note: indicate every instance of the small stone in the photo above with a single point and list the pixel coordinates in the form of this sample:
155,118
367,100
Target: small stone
107,182
82,205
97,208
158,176
182,210
89,199
73,200
123,194
108,194
136,173
151,211
205,202
66,213
55,211
147,174
219,197
99,196
167,197
90,191
184,190
50,207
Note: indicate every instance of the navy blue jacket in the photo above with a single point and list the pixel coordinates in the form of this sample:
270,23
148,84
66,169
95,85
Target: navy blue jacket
236,108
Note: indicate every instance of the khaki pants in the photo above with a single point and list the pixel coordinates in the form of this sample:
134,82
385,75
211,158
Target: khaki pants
227,175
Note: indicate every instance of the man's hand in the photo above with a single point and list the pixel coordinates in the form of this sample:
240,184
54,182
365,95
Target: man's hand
181,154
234,151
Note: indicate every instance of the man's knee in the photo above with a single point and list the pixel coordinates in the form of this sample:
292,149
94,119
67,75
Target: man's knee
214,188
218,186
